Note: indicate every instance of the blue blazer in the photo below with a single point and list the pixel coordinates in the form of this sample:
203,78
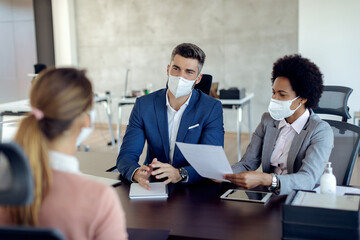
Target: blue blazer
148,121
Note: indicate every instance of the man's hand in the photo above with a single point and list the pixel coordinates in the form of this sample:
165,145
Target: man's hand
165,170
249,179
142,176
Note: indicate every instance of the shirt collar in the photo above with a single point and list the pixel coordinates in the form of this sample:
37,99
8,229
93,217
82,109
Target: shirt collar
63,162
184,105
298,124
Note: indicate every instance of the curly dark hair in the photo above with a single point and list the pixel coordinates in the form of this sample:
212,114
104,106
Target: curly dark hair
304,76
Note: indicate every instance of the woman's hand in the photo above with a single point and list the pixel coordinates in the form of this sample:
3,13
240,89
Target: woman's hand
249,179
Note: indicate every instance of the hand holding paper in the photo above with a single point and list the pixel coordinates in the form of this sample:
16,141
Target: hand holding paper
209,161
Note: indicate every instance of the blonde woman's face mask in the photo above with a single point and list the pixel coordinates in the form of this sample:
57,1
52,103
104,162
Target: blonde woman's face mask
85,132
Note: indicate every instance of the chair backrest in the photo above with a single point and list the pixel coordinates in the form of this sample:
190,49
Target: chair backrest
334,102
16,179
205,84
16,188
344,153
39,67
29,233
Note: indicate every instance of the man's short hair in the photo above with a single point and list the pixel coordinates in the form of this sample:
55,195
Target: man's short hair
189,50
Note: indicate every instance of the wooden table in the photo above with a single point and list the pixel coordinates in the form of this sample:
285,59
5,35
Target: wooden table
197,211
194,211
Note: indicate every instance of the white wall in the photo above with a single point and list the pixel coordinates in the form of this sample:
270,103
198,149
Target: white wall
65,46
329,34
17,49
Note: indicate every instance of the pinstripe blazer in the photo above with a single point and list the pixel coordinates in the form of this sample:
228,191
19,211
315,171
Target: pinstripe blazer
308,153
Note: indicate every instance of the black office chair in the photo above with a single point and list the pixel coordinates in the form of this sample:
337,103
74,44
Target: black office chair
346,136
39,67
16,180
345,151
205,84
334,102
17,189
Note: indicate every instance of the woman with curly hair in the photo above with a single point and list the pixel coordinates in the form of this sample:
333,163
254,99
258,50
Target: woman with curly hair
291,142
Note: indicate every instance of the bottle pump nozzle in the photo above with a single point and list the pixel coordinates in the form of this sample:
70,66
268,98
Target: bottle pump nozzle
328,168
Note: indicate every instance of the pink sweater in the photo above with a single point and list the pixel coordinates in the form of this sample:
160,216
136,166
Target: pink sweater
80,209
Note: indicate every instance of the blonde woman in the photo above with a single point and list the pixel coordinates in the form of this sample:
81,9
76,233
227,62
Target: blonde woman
62,101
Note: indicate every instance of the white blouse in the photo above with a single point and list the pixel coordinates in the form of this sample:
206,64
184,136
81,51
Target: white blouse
63,162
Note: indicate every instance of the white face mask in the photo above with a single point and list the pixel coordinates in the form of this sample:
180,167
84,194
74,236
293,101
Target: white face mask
281,109
85,132
180,86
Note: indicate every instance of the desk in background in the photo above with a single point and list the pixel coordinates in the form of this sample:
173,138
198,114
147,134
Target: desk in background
106,101
236,103
21,107
16,108
194,211
356,118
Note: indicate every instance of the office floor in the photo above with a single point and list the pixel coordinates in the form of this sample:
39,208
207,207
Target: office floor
101,136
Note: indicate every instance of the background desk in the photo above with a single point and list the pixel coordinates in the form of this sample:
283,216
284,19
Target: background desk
236,103
21,107
195,211
16,108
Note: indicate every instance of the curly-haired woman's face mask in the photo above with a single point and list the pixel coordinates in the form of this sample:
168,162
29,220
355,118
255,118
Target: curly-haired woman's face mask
281,109
281,103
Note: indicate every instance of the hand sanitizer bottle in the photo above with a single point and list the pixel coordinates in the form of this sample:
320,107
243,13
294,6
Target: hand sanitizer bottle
328,181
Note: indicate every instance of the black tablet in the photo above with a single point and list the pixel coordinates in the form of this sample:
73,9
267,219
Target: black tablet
245,195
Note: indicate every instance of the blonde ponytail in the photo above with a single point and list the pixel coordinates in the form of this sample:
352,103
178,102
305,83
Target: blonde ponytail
57,97
34,143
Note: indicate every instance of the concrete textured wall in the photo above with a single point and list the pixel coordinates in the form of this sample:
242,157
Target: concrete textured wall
240,38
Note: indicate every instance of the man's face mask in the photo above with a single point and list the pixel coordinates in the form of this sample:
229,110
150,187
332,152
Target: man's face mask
180,86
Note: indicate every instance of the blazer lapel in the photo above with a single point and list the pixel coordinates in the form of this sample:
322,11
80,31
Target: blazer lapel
187,117
295,147
269,144
162,121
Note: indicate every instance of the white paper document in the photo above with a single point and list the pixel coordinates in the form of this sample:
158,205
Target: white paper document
158,190
309,199
341,190
208,160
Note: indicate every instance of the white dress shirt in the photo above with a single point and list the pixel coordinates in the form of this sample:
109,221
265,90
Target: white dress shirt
174,119
63,162
283,143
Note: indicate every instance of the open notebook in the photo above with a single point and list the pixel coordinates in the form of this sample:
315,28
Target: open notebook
158,190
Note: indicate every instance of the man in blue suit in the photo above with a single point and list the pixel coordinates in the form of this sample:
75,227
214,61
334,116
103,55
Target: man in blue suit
178,113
